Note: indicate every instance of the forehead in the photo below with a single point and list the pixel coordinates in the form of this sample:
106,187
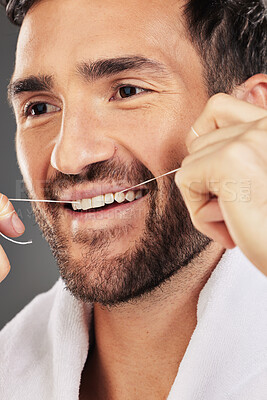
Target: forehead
64,31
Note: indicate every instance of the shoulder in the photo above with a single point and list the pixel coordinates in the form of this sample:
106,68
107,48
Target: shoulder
38,343
34,314
28,328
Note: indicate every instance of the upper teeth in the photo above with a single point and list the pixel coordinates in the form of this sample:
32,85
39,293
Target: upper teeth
109,198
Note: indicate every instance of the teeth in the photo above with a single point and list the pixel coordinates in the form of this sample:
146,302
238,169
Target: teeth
138,194
119,197
109,198
86,204
98,201
130,196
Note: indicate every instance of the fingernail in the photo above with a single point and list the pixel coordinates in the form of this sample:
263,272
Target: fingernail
17,224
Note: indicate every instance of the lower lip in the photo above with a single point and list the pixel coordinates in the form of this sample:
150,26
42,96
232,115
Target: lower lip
121,211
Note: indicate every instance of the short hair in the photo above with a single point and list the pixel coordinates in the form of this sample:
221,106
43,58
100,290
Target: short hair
229,36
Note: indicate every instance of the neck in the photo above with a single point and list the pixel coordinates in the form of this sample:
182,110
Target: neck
140,344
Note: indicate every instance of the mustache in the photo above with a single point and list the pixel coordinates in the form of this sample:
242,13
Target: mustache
109,171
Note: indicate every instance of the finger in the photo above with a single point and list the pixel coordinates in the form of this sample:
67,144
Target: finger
248,139
4,264
195,143
10,224
204,152
201,177
210,212
224,110
210,221
218,232
219,135
194,182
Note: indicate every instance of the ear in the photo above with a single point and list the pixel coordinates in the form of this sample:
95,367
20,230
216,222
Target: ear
254,90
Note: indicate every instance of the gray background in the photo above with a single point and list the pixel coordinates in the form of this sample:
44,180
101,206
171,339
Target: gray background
33,269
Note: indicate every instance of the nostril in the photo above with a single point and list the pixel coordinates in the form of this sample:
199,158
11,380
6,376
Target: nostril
71,156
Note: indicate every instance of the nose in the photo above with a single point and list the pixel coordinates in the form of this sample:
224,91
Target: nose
82,140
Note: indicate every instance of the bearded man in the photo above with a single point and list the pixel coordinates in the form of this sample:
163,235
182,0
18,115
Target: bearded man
163,301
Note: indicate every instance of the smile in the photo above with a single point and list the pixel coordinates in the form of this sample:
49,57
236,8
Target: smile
107,200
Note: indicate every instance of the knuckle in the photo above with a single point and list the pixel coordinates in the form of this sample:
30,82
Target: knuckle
262,123
255,138
244,150
233,150
5,207
217,101
3,200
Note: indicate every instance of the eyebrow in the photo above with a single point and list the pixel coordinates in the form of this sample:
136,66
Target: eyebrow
90,71
30,84
112,66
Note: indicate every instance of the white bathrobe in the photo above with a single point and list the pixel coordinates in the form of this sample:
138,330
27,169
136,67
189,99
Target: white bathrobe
44,348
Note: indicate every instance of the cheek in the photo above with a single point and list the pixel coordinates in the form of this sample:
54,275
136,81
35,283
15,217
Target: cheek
155,136
33,160
173,147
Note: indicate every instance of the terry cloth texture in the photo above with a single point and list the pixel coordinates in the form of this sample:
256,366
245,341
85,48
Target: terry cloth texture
44,348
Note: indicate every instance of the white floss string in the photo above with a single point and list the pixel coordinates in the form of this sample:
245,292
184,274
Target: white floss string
193,130
75,202
14,241
47,201
7,238
160,176
150,180
42,201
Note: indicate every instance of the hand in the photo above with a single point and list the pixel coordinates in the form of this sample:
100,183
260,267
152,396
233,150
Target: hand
10,225
223,179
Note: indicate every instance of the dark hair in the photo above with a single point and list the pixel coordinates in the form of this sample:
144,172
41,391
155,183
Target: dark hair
231,39
229,35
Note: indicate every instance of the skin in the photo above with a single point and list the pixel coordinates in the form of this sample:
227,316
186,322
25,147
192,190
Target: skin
136,337
229,127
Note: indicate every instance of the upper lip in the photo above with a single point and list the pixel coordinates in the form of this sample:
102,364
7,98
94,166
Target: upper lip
93,191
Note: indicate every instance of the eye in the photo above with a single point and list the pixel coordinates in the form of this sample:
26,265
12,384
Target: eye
36,109
126,91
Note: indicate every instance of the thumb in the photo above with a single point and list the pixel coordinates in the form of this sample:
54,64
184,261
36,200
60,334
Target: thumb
10,223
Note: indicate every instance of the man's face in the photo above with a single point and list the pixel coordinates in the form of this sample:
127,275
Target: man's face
102,126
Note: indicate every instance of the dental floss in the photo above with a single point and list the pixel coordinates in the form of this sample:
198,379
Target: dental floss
157,177
150,180
14,241
47,201
43,201
76,202
193,130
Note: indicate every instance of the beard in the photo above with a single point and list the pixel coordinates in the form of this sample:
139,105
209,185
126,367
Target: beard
167,243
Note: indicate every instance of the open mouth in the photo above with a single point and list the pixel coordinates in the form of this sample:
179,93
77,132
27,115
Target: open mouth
106,201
